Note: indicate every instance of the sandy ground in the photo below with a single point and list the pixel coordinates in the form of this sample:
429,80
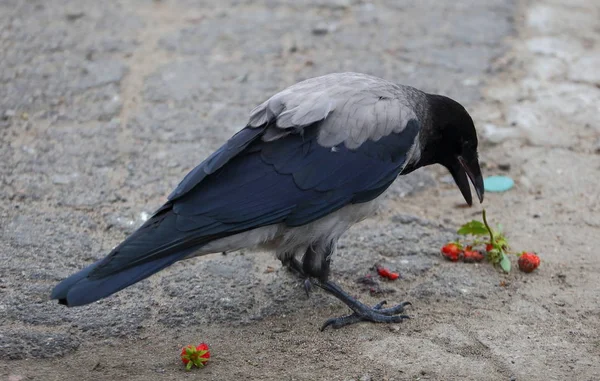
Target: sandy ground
103,108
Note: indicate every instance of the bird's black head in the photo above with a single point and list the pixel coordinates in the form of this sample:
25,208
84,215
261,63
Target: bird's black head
451,140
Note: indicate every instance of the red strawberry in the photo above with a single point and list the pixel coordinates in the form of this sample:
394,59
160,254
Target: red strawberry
489,247
198,356
452,252
472,256
385,273
528,261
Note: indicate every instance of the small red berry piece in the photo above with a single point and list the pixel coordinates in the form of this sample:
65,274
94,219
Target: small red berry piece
452,252
382,271
472,256
385,273
489,247
528,261
197,356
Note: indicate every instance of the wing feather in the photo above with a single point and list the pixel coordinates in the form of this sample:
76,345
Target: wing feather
352,108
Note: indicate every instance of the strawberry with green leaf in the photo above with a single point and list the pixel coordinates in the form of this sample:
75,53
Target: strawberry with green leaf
197,356
496,247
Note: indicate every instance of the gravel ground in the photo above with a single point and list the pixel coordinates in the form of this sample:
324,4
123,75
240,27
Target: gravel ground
104,106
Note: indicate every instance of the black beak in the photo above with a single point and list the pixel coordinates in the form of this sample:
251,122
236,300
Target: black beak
462,171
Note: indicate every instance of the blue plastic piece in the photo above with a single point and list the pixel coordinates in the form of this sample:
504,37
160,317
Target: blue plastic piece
498,183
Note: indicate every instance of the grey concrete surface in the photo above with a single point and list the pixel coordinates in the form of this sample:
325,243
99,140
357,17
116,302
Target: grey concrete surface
104,106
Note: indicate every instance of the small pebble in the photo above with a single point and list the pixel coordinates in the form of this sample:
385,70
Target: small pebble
504,167
322,29
269,269
74,16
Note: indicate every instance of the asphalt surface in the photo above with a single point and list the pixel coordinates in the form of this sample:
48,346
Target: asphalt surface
104,106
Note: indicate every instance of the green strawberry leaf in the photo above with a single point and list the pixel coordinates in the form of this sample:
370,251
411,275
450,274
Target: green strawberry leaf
505,263
495,256
189,365
473,228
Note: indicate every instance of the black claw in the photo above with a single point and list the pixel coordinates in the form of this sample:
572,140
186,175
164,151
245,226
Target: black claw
396,309
341,321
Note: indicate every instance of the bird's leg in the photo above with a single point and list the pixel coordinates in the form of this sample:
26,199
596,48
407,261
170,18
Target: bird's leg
308,267
314,268
361,312
298,267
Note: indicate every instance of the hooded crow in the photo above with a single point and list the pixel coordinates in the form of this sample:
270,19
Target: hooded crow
312,161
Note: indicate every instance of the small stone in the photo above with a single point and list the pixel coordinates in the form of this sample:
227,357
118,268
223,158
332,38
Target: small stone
269,269
61,179
394,328
9,114
323,28
504,167
404,219
74,16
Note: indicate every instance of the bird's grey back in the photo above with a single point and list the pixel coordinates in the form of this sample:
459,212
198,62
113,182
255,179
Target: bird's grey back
353,107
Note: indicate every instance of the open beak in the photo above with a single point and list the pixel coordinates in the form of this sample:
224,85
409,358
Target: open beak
462,171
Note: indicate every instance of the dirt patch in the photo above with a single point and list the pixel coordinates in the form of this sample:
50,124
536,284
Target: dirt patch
103,112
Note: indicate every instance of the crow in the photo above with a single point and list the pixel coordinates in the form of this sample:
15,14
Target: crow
313,160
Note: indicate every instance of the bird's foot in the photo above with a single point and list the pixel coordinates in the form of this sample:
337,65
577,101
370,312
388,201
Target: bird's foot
374,314
362,312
